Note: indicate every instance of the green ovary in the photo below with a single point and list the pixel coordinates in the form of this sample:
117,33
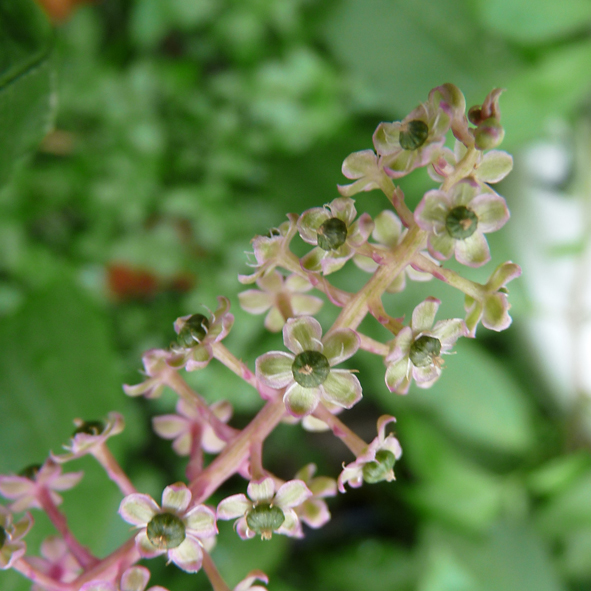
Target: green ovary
166,531
194,330
414,136
332,234
461,222
310,369
264,519
424,350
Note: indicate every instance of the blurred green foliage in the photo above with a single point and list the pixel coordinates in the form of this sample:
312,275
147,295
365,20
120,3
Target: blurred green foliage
184,128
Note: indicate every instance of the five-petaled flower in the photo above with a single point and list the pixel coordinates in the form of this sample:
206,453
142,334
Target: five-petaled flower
197,334
306,373
266,511
34,482
176,529
189,423
493,308
376,463
335,233
134,578
417,349
282,297
414,141
90,435
11,533
457,221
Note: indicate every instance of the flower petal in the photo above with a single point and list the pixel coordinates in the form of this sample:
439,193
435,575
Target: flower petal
310,221
300,401
176,498
342,388
292,494
200,521
397,376
473,251
188,556
423,315
255,301
135,579
491,210
261,491
315,513
233,507
340,345
169,426
495,166
302,334
145,548
274,369
138,509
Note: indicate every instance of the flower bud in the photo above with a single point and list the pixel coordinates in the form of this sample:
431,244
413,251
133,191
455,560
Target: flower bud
489,134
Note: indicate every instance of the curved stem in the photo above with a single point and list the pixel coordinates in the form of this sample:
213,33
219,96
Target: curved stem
28,570
348,437
106,459
213,574
81,554
237,366
373,346
422,263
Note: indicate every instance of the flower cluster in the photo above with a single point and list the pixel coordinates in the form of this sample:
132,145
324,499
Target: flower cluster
305,384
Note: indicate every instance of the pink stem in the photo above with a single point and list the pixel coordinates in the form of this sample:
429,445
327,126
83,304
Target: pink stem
236,452
195,465
213,574
113,469
340,430
82,555
43,580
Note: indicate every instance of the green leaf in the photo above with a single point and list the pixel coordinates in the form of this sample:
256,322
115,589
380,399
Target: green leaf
511,557
400,50
552,87
549,20
26,81
57,364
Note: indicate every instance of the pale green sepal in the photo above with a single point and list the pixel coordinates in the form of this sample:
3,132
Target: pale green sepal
495,314
473,251
340,345
274,369
423,315
309,223
342,388
397,376
495,166
449,330
255,301
138,509
312,261
233,507
261,491
302,334
201,520
387,228
292,494
176,497
300,401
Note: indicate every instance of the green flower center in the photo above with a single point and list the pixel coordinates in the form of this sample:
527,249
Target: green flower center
166,531
3,536
90,428
413,135
194,330
461,222
30,472
264,519
310,369
379,469
424,350
332,234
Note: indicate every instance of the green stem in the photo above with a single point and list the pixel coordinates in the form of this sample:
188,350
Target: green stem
232,363
474,290
213,574
356,310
